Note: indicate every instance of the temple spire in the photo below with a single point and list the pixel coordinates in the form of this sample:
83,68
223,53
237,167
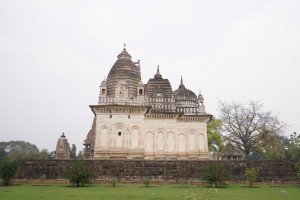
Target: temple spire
157,75
181,82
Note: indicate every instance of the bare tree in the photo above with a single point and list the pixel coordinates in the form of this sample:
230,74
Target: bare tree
247,125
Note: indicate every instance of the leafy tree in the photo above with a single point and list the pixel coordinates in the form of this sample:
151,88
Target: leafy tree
246,125
44,154
214,135
251,176
2,153
73,152
79,173
8,170
79,155
271,147
215,175
19,150
294,148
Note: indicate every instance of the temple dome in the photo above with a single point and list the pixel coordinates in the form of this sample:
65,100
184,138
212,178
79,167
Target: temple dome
124,69
103,83
200,97
158,87
184,95
140,84
124,55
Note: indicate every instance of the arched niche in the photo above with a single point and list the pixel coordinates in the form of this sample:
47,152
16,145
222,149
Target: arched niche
149,141
171,142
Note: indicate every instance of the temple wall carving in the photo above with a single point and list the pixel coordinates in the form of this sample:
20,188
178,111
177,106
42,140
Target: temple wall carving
148,137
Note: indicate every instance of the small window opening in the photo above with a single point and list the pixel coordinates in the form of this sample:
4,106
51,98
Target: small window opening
140,91
119,133
103,91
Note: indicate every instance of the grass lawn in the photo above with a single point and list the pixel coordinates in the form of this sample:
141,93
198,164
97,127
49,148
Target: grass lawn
138,191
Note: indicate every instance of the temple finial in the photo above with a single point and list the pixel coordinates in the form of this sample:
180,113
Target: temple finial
157,75
181,82
124,45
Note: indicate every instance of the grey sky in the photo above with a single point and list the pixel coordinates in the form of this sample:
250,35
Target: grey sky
54,55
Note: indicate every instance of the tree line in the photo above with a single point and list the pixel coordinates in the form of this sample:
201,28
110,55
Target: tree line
254,132
13,152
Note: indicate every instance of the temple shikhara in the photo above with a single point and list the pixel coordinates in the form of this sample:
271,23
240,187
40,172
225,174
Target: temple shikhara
134,120
62,148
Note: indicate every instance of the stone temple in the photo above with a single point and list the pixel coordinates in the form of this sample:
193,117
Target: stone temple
133,120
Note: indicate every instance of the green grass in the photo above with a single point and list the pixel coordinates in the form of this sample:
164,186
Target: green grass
138,191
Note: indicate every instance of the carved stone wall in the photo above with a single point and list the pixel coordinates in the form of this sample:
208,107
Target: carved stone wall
161,170
134,133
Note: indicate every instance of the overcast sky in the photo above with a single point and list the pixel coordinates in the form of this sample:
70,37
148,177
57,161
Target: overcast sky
54,55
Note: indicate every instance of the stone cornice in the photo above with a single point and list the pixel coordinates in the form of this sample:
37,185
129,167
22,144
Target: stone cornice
126,109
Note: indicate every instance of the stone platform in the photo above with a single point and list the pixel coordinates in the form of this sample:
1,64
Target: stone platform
161,170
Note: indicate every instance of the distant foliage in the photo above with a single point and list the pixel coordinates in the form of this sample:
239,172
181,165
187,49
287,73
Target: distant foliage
8,170
79,155
251,176
294,148
73,151
215,175
147,182
79,173
19,150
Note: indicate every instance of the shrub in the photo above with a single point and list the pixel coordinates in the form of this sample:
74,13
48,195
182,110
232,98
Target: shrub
215,175
147,182
251,176
8,170
79,173
113,182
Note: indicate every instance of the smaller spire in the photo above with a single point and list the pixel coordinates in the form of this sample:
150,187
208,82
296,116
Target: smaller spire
157,75
181,83
200,97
